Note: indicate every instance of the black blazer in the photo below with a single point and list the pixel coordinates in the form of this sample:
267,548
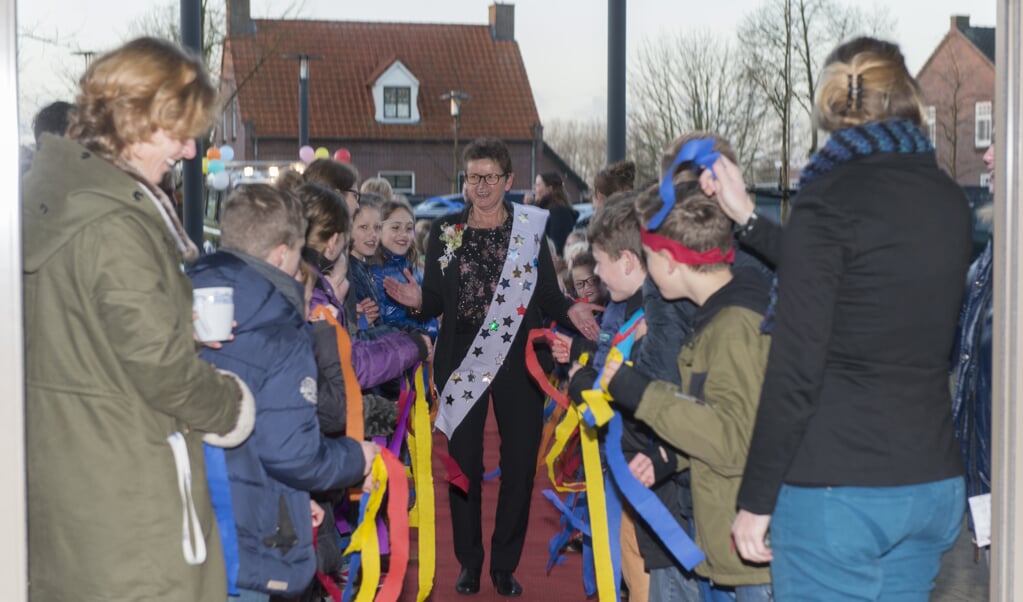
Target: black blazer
440,298
871,268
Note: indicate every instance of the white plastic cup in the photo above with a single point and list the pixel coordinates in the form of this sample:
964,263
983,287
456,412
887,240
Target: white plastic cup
214,313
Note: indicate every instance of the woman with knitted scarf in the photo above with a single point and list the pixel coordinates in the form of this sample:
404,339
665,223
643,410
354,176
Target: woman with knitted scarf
853,463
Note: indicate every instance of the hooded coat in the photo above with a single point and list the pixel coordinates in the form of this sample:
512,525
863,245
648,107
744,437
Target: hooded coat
111,372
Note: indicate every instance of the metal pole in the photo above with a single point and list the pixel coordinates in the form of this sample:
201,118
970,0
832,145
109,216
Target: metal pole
615,80
303,100
192,184
454,159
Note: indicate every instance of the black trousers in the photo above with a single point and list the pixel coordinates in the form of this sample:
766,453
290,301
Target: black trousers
518,408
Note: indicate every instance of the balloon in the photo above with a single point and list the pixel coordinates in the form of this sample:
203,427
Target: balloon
343,155
215,166
226,153
213,153
306,153
322,153
220,180
205,166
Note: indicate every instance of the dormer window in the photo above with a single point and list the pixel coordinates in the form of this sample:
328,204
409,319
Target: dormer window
395,94
397,102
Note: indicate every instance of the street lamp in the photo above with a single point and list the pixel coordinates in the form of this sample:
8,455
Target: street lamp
303,94
455,98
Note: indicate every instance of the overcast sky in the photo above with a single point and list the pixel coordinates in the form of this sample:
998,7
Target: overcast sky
563,42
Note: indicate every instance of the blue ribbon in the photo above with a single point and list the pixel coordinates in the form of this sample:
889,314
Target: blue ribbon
646,503
701,154
356,562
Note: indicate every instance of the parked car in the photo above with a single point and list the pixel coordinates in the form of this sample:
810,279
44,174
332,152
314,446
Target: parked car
585,211
438,206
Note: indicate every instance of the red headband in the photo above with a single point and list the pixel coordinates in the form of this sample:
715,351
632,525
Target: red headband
683,254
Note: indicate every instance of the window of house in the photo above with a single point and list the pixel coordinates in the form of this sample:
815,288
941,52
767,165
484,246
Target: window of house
397,102
982,131
932,124
985,180
402,182
396,95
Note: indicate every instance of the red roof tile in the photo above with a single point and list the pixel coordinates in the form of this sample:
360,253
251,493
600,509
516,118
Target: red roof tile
442,57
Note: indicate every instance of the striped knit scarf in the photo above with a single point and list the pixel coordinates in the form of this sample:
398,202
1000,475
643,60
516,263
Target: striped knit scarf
892,136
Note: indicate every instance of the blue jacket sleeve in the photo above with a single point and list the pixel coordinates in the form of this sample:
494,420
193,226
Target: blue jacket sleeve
288,438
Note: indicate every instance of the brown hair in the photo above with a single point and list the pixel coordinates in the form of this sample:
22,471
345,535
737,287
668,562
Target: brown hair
332,174
695,220
683,171
866,80
558,195
584,260
615,228
386,209
130,93
289,180
325,212
488,148
257,218
617,177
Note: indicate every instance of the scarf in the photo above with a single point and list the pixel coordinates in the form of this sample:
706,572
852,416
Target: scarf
898,135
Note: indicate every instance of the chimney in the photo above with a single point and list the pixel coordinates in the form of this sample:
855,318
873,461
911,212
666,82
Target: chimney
502,22
960,22
239,18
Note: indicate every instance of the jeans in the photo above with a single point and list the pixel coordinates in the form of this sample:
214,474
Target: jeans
741,593
863,543
672,585
248,595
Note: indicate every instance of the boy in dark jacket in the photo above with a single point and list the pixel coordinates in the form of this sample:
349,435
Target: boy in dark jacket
710,418
270,474
617,249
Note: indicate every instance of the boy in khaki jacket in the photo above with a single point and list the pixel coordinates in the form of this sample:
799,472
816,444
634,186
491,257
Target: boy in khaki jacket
711,418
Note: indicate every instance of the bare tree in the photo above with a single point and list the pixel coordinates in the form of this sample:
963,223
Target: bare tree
784,45
581,143
685,82
164,21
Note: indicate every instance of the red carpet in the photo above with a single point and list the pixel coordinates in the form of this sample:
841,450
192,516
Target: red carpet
564,583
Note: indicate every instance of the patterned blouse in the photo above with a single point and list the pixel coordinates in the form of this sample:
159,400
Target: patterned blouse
482,253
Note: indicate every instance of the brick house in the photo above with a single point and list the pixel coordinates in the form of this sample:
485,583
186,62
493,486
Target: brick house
376,89
958,85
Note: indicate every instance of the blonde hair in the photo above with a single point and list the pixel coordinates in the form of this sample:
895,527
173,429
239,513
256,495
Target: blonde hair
379,186
866,80
146,85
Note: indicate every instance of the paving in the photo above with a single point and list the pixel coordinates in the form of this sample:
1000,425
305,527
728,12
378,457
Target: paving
964,576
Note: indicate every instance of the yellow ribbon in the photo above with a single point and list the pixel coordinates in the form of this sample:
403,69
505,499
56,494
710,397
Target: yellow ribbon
364,538
422,515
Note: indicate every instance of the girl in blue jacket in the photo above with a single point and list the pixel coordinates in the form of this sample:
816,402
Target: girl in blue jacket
397,257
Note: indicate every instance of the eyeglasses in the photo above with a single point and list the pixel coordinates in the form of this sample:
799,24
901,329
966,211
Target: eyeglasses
591,282
358,195
490,178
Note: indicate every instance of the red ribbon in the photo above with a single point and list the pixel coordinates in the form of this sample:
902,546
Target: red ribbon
533,365
683,254
397,516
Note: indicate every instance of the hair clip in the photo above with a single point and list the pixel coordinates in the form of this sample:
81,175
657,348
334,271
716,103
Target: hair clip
700,153
855,94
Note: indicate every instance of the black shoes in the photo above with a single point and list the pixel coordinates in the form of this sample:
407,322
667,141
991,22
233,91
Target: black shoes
505,584
469,582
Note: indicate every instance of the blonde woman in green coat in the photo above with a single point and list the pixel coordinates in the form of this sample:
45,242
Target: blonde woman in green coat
118,402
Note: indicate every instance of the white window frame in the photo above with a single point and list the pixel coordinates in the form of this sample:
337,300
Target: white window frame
394,105
982,124
396,76
931,117
985,180
388,175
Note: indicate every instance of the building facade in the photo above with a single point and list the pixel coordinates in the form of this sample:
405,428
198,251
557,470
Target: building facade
402,98
958,85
